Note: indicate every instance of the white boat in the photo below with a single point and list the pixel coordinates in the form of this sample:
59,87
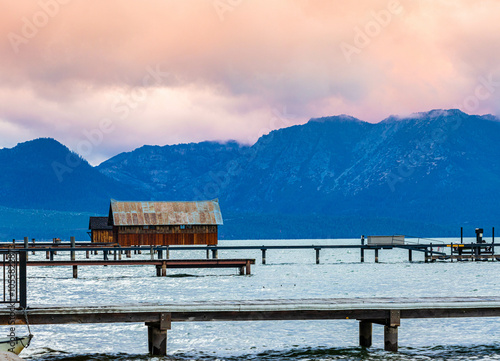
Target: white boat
15,345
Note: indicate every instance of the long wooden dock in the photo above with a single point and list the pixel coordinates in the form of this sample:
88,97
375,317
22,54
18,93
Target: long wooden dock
243,265
158,317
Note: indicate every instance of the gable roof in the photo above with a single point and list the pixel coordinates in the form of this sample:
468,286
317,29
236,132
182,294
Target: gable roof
99,223
164,213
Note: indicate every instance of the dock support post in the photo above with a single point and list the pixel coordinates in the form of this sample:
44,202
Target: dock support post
426,255
152,252
317,255
120,255
115,255
87,254
362,251
208,253
129,254
376,255
75,271
242,271
105,253
164,269
160,253
410,255
73,245
158,271
157,335
391,338
47,255
248,268
263,256
215,254
51,255
26,245
168,252
365,333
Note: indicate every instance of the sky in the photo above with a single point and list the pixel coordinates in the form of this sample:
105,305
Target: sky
104,77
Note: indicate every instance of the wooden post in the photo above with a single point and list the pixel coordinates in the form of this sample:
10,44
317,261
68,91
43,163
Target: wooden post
47,255
33,240
75,271
376,255
168,252
215,254
73,245
87,254
160,253
263,256
115,255
105,253
362,251
410,255
391,338
248,268
152,252
426,255
317,255
242,271
51,255
365,333
120,255
208,253
26,245
164,269
157,335
139,251
129,254
158,271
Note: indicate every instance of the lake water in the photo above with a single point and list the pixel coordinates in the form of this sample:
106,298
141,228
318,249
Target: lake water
289,274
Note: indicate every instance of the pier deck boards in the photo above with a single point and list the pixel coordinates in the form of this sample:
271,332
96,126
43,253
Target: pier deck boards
158,317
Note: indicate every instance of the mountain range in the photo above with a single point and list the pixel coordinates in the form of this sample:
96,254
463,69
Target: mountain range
424,175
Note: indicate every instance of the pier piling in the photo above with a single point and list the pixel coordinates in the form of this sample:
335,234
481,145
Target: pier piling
317,255
362,251
26,245
215,254
75,271
365,333
391,338
73,245
263,256
376,255
410,255
157,335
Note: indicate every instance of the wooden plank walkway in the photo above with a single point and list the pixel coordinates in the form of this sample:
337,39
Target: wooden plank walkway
161,264
158,317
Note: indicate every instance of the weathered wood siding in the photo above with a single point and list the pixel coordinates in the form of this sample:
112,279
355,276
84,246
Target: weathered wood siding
166,235
102,236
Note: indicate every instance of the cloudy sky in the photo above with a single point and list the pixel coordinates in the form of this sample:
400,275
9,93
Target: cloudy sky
118,74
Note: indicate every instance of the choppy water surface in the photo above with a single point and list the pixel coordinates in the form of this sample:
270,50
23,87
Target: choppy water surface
288,274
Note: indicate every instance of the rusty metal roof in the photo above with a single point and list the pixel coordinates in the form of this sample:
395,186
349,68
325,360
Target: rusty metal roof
165,213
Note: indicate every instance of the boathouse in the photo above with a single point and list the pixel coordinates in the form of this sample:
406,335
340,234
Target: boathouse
100,231
165,223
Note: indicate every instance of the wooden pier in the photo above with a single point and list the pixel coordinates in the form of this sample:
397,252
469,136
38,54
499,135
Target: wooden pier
368,311
243,265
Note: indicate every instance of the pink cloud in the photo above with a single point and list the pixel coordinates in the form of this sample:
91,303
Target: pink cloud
209,78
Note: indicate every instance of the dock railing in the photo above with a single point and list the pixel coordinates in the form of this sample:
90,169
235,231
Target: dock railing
14,277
